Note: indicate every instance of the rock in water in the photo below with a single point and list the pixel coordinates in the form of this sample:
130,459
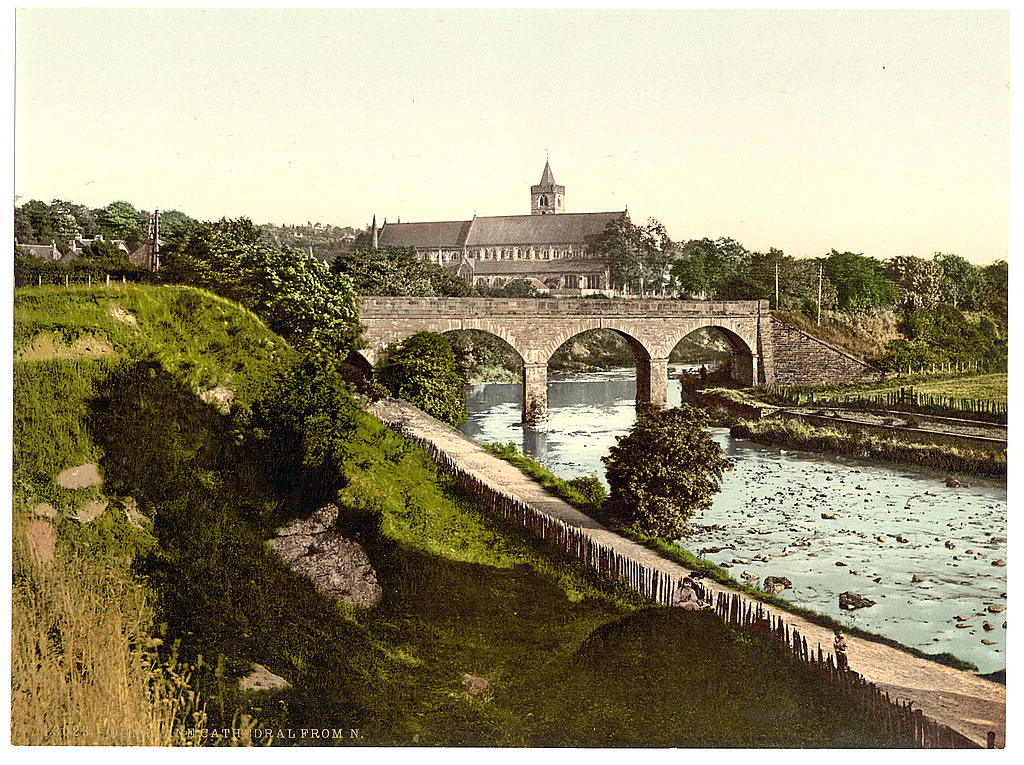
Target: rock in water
336,566
1000,563
749,576
828,516
262,679
917,579
851,600
773,585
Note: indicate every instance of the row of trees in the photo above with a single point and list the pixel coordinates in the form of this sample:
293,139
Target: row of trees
60,221
643,260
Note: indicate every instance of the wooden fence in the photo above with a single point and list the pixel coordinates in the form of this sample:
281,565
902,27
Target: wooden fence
80,280
903,398
899,717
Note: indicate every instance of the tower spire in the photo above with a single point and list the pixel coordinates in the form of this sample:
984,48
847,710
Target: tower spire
547,197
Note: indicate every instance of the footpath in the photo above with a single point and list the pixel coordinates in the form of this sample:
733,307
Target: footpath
961,700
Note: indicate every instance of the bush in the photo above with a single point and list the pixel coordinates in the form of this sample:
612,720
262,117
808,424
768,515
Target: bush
421,369
663,472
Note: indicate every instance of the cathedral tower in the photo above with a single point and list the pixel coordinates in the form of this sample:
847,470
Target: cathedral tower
547,197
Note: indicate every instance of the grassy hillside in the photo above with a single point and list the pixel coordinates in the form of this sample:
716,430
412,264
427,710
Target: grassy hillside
553,653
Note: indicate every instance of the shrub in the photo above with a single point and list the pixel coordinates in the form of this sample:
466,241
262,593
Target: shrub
421,369
663,472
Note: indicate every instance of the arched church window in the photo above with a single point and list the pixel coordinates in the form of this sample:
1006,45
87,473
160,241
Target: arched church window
543,200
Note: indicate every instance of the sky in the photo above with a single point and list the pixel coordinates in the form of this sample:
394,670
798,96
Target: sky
882,132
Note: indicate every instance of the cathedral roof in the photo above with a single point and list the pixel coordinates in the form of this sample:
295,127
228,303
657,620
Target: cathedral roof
445,233
503,230
565,228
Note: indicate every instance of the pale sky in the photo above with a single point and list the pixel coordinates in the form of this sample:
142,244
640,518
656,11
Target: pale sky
875,131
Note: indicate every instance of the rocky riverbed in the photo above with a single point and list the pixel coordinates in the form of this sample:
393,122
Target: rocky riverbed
828,525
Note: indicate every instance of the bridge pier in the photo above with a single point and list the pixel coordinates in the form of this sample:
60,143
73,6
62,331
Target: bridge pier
535,393
652,382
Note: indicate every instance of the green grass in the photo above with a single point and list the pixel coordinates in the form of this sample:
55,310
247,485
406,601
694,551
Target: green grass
571,657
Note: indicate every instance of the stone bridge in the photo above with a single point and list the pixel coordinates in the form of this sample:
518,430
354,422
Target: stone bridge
536,328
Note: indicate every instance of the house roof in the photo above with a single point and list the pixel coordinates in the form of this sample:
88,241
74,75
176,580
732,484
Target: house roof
45,251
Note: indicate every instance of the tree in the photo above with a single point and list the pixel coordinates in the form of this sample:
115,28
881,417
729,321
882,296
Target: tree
961,282
996,290
704,267
421,369
663,472
919,280
296,295
398,272
639,257
120,220
40,218
23,233
859,282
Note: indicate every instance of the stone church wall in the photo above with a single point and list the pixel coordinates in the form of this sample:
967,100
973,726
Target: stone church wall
800,359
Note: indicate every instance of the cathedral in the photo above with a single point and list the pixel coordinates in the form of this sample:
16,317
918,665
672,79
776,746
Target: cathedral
554,251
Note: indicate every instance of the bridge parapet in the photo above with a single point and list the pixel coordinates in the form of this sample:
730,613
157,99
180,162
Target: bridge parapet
393,307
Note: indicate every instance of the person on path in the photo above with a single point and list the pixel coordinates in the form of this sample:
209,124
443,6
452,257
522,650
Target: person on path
703,375
685,596
842,660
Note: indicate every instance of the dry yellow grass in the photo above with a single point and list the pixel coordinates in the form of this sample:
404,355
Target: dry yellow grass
84,670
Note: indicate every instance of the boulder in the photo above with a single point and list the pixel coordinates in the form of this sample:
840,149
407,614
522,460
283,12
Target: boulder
262,679
336,566
773,585
999,563
917,579
848,601
828,516
44,510
950,545
902,539
320,520
749,576
987,626
995,608
80,477
475,685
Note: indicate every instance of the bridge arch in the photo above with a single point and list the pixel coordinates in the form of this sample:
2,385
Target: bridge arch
743,362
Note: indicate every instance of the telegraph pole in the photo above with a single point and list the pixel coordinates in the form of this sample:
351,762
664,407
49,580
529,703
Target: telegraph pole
821,269
776,285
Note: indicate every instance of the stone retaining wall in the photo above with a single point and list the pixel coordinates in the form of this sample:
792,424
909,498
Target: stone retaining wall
800,359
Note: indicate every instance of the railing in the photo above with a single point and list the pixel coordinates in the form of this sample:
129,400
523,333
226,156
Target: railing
388,307
898,716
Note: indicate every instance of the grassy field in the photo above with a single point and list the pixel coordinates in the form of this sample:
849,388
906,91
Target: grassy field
560,655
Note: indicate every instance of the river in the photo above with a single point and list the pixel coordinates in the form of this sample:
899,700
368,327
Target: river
771,505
